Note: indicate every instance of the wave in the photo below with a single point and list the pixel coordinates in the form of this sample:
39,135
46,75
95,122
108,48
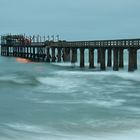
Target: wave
135,76
17,132
16,79
100,103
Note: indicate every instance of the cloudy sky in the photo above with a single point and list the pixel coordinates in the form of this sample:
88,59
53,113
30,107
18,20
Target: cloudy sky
72,19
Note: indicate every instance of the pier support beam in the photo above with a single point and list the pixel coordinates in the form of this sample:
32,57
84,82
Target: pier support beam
135,59
7,51
38,54
74,55
48,55
59,54
34,55
27,53
131,60
115,61
31,53
98,55
102,59
82,57
91,58
44,54
121,61
53,55
16,51
109,57
66,54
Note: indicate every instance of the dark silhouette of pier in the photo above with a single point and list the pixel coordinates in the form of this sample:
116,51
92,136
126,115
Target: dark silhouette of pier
42,50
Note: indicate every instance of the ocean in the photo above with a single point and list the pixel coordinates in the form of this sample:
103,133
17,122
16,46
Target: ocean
60,101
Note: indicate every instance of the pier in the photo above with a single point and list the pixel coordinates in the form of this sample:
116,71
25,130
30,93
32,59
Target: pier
110,53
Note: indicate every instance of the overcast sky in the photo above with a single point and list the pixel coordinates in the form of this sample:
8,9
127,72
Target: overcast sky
72,19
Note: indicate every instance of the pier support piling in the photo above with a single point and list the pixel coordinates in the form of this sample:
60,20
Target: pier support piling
48,55
115,59
135,59
59,54
102,59
121,61
98,55
74,55
131,60
66,54
91,58
82,57
53,55
109,57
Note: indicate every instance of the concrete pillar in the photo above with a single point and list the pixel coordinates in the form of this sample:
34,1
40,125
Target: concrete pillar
27,52
1,50
34,57
98,55
38,54
53,55
24,52
115,59
48,55
59,54
44,54
7,51
74,55
16,51
109,57
91,58
66,54
13,51
102,59
82,57
135,59
121,61
131,60
30,52
20,51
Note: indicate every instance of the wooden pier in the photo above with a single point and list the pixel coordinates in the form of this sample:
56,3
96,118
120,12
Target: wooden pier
42,50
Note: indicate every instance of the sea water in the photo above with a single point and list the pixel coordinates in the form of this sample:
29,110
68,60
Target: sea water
60,101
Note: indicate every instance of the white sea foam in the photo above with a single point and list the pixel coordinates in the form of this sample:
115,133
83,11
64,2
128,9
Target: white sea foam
15,79
135,76
100,103
133,134
132,109
60,84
